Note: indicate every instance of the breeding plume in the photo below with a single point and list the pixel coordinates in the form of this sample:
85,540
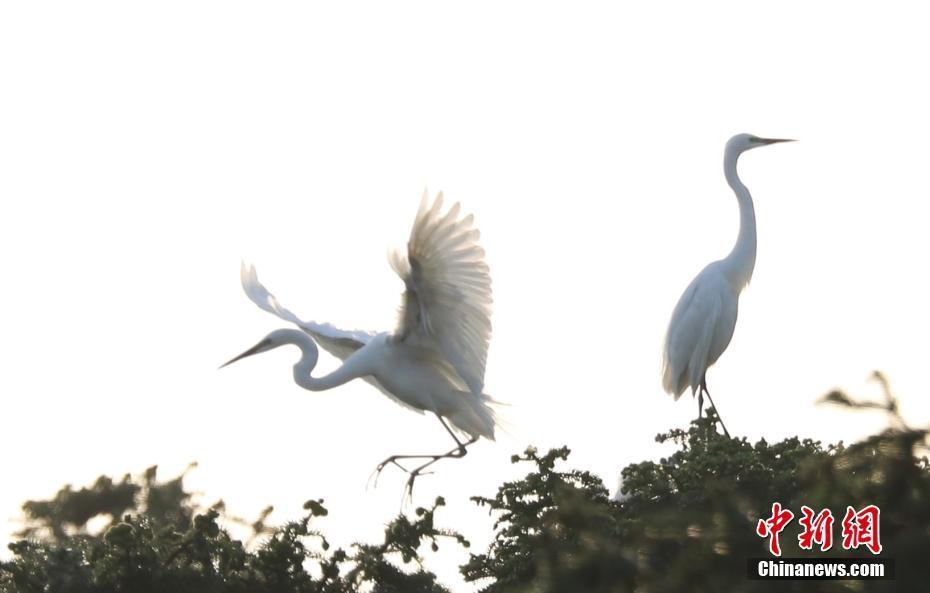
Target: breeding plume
434,360
705,316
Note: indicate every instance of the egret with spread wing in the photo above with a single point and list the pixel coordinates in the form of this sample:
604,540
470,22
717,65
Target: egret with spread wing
434,361
705,316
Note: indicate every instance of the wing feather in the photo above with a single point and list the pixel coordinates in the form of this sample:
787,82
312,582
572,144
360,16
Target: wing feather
447,302
340,343
689,337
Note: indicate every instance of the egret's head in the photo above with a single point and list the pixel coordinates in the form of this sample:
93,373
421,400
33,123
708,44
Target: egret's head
278,337
743,142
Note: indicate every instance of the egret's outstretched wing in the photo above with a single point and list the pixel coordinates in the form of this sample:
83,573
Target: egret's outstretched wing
447,302
339,343
691,334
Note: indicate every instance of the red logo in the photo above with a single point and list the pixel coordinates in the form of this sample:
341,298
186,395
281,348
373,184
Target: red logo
817,529
774,525
859,528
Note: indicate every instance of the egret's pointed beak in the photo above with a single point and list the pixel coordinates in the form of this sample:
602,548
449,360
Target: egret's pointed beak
766,141
260,347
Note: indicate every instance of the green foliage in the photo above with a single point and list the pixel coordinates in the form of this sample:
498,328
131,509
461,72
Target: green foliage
555,531
685,523
162,544
70,510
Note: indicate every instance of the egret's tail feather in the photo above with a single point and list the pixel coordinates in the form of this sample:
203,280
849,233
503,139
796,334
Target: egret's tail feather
673,384
477,418
504,421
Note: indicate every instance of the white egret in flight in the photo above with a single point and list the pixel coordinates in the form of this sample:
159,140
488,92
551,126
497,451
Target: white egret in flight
705,316
434,360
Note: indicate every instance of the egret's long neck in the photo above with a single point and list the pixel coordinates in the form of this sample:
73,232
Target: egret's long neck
742,258
304,367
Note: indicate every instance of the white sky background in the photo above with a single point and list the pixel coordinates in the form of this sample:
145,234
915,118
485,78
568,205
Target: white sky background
145,149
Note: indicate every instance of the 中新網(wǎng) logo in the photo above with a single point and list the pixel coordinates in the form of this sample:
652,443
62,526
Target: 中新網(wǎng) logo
860,528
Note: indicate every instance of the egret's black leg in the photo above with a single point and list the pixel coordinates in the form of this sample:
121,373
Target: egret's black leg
458,451
716,410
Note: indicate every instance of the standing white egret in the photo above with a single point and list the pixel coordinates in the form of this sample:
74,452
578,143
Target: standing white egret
705,316
434,361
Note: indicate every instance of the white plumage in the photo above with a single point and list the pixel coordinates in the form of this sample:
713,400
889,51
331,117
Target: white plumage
447,302
700,330
703,321
435,360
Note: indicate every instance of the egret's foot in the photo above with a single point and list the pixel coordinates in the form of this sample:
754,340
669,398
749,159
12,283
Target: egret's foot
456,453
380,467
408,487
